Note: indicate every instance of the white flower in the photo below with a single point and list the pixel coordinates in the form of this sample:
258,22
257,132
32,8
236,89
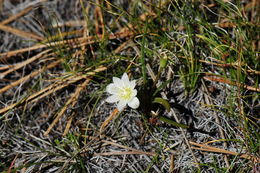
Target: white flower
123,93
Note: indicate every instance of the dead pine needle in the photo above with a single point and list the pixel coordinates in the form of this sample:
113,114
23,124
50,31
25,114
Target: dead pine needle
112,115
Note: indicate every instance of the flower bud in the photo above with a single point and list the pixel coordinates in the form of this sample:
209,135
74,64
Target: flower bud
163,61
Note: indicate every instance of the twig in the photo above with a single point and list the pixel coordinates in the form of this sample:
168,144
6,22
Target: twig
20,33
122,153
76,42
226,81
17,16
217,150
31,75
135,151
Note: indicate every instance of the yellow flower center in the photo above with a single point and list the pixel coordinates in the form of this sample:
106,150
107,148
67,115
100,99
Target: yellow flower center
125,93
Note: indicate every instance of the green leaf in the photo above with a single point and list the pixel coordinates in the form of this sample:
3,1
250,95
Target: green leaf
171,122
163,102
163,62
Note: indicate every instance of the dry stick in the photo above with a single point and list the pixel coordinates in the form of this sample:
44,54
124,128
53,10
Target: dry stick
6,55
112,115
62,85
86,34
16,31
68,124
75,41
224,65
6,67
16,16
121,153
79,89
46,91
172,166
71,102
118,145
31,75
226,81
234,65
7,108
24,63
71,23
151,73
62,35
99,14
218,150
21,13
20,33
129,152
72,99
126,147
222,134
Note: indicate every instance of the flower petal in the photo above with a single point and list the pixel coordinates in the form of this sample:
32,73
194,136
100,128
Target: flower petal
132,84
118,82
112,89
121,105
112,99
134,103
125,79
134,93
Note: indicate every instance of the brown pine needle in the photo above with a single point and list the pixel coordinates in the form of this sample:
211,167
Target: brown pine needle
9,107
54,87
51,89
226,65
6,67
31,75
16,16
226,81
24,63
70,23
217,150
44,92
20,33
117,145
99,22
76,42
70,103
113,114
172,165
123,153
68,125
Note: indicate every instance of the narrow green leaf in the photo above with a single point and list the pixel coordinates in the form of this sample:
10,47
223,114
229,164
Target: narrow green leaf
171,122
163,102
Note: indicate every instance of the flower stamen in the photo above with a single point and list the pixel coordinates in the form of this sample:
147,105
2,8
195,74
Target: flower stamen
125,93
